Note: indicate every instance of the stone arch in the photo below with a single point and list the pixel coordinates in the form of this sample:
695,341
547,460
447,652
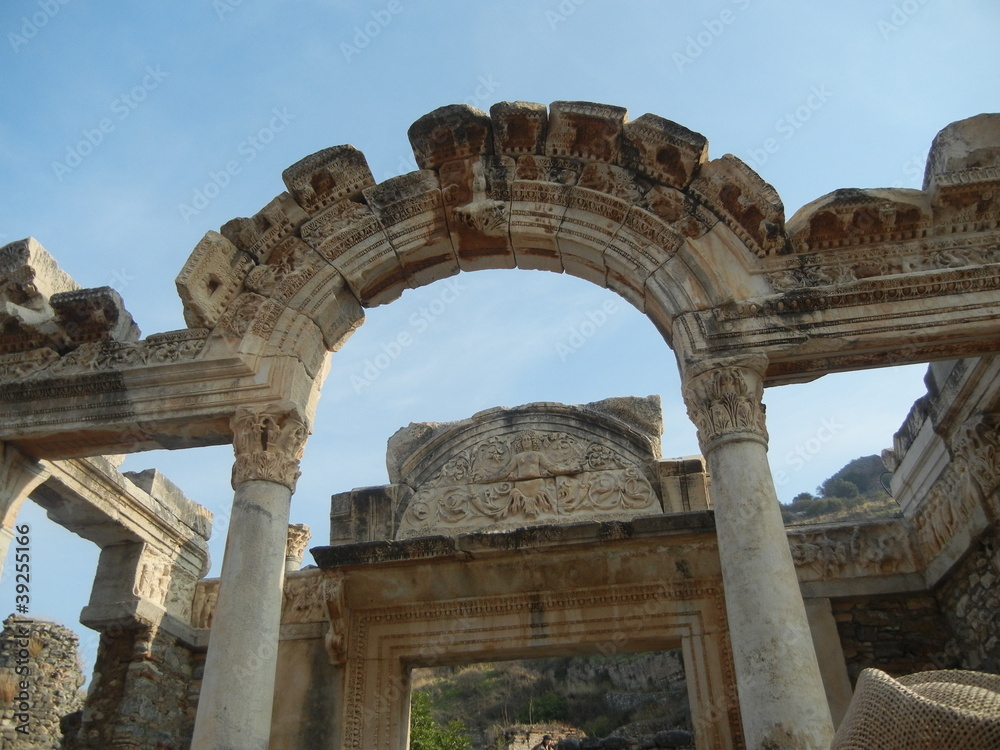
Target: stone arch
576,188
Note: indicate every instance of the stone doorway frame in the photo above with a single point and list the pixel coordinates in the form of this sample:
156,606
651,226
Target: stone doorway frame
387,642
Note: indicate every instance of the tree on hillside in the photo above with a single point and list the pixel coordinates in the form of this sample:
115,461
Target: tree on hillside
427,734
856,484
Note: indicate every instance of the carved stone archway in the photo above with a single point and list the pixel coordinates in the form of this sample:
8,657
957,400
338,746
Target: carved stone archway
858,278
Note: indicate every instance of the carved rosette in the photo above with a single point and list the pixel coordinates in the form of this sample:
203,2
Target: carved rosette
725,403
268,444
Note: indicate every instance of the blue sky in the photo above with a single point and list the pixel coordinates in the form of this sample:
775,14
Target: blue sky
117,117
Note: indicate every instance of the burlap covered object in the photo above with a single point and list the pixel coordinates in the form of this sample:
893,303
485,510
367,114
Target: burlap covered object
922,711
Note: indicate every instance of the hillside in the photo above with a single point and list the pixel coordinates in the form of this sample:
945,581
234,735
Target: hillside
625,694
855,493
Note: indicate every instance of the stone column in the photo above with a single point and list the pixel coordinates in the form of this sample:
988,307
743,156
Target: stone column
234,710
299,535
782,700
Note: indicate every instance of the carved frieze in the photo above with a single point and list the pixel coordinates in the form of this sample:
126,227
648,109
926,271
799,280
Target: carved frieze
726,402
840,552
857,264
153,579
173,346
206,596
268,444
967,484
533,476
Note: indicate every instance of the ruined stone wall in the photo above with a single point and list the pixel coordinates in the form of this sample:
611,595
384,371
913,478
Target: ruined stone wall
970,600
139,697
898,634
40,681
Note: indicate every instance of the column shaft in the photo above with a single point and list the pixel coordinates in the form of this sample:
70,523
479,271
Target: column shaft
782,700
234,710
237,692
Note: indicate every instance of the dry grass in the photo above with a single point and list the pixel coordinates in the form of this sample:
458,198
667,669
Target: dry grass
8,686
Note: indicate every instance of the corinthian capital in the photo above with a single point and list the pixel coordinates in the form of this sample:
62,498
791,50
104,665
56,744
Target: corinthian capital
724,400
268,443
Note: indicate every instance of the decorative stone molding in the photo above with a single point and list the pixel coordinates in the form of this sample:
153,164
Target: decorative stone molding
725,402
268,443
335,609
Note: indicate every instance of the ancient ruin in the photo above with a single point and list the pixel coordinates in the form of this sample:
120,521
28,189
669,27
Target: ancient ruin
474,549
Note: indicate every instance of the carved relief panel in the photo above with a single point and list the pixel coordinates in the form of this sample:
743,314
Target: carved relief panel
533,476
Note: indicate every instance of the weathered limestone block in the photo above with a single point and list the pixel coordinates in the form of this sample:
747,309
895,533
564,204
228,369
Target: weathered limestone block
963,175
641,246
177,508
663,150
41,306
965,151
410,209
328,176
519,127
299,277
585,130
210,278
539,198
681,211
93,315
747,204
266,327
683,484
852,216
351,237
29,276
257,235
456,131
367,514
590,220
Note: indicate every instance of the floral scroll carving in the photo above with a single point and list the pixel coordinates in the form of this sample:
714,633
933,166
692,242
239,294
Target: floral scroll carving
726,402
532,476
268,444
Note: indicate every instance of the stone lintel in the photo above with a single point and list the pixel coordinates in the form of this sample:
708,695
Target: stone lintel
534,537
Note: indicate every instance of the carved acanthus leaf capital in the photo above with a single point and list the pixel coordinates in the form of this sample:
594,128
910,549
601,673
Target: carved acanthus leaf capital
725,402
299,535
268,443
